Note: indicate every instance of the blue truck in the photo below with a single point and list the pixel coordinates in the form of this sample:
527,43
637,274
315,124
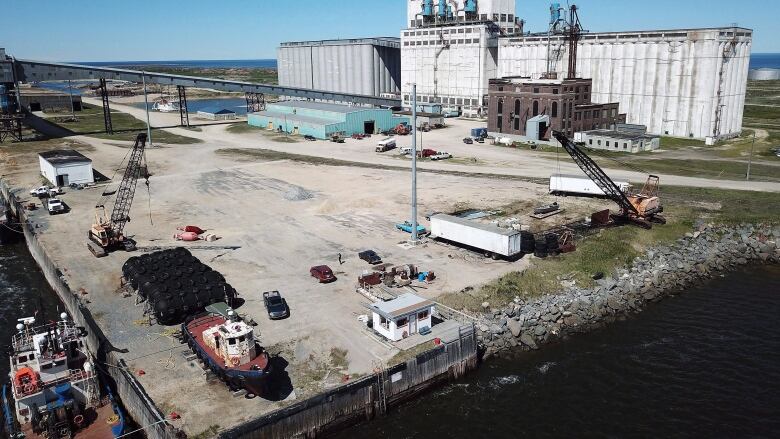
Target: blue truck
406,226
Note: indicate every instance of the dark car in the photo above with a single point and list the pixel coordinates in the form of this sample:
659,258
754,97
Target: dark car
309,137
370,256
480,140
323,273
275,305
468,140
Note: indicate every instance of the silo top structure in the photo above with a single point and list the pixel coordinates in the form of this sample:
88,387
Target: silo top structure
421,13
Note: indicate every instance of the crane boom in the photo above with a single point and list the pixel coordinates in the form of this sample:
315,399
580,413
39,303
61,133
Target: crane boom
136,167
595,173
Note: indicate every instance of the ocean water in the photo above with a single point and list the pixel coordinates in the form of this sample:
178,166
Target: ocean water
704,364
765,60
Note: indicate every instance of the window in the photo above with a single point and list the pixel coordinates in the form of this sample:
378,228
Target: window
598,142
614,112
536,90
384,322
499,124
555,91
401,322
483,17
604,113
625,145
590,141
511,17
231,341
242,338
23,358
503,17
500,107
422,315
535,108
554,109
587,114
607,142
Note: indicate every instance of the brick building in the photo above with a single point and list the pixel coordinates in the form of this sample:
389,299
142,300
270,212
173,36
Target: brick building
517,103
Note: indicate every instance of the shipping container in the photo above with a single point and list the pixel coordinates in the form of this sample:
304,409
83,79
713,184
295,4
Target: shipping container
478,132
488,239
562,184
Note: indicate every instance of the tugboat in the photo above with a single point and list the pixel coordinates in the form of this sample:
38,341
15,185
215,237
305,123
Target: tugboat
54,386
227,346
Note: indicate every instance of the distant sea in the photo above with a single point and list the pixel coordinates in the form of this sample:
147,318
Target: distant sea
765,60
205,63
757,61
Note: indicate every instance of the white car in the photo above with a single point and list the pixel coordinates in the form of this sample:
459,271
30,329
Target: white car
406,150
441,155
44,191
55,206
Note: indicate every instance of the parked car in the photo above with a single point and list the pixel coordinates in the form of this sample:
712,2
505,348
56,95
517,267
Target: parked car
427,153
44,191
323,273
55,206
358,136
309,137
406,226
441,155
468,140
480,140
406,150
275,305
370,256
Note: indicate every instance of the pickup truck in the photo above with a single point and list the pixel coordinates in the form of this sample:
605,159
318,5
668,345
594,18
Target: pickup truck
55,206
441,155
406,226
44,191
275,305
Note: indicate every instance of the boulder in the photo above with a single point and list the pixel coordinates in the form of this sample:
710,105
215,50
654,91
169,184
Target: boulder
529,340
514,327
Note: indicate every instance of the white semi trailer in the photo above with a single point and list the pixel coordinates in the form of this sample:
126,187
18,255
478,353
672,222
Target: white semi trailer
490,240
562,184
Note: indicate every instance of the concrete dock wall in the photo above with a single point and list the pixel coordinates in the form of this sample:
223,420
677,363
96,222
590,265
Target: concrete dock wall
135,400
365,397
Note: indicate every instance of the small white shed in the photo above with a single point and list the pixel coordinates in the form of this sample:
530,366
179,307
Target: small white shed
65,166
401,317
216,113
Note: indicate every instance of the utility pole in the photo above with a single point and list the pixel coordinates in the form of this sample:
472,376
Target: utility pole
70,92
146,106
750,159
414,240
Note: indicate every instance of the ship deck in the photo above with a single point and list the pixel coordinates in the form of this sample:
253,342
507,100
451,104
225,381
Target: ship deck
98,426
200,324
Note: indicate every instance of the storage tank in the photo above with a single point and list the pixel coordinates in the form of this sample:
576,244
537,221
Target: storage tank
470,6
764,74
442,9
427,8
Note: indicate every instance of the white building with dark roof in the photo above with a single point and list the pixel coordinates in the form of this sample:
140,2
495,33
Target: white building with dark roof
401,317
65,166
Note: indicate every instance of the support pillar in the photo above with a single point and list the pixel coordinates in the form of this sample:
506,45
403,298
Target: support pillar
254,102
184,115
106,107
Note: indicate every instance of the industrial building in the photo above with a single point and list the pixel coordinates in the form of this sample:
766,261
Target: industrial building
322,120
531,108
216,113
65,166
683,82
39,99
764,74
368,66
624,138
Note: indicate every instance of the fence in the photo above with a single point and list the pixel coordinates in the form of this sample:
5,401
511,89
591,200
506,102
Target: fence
134,398
366,397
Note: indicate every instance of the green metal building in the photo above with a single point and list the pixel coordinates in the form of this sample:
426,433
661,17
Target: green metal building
321,120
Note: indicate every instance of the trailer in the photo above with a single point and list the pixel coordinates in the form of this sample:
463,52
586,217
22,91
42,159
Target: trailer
580,186
479,133
488,239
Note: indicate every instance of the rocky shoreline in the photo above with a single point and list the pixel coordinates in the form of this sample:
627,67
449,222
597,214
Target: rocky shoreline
662,271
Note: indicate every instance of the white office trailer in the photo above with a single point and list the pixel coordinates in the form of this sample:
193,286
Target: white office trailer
367,66
62,167
682,82
489,239
580,185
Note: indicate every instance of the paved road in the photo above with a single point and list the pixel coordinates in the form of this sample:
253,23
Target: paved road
490,159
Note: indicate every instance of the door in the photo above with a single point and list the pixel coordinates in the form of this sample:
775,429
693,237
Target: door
413,324
369,127
62,180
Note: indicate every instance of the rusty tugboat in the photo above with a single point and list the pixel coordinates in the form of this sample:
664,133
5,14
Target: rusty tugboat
227,346
55,386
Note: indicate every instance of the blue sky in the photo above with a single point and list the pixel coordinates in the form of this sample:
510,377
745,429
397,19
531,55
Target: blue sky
112,30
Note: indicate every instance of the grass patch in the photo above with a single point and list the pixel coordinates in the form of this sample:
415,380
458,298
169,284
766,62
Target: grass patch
762,112
89,122
338,358
404,356
679,142
617,247
243,128
208,433
716,169
256,75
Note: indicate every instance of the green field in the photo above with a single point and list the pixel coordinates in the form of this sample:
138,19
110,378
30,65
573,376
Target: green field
89,121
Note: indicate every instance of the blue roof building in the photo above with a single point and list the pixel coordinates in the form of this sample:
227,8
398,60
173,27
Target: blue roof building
216,113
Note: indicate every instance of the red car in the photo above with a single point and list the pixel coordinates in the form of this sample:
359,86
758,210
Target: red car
323,273
427,153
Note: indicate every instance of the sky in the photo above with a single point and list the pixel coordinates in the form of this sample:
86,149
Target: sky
113,30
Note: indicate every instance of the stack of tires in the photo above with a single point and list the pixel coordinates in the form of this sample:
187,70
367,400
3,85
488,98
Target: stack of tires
540,248
527,242
551,239
176,284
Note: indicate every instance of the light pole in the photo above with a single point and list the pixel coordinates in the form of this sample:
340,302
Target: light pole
146,106
70,92
750,159
414,165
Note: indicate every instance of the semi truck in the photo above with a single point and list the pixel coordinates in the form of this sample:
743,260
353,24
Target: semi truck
581,186
490,240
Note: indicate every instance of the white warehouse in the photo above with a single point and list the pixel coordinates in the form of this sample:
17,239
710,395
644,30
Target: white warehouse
367,66
683,82
65,166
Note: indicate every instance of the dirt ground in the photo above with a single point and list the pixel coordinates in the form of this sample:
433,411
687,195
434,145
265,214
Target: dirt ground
276,219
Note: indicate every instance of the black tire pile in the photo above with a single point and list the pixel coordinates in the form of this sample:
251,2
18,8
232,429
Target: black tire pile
547,245
527,242
176,284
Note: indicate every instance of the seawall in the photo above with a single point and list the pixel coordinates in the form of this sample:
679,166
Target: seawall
661,272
